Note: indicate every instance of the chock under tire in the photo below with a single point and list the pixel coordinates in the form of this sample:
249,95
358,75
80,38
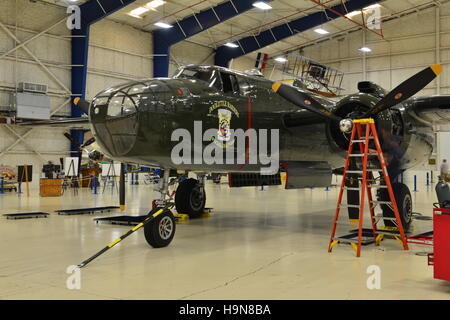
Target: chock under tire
190,198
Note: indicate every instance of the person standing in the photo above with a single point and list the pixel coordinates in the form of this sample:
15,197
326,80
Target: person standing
444,170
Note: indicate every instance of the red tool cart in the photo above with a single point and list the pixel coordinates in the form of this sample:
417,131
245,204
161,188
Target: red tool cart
441,255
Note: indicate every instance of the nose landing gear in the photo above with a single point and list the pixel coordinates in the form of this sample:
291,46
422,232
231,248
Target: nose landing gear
190,199
160,231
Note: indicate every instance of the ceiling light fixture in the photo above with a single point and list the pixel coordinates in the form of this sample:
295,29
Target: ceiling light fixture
365,49
321,31
155,4
281,59
163,25
262,5
231,45
356,12
373,6
352,14
138,12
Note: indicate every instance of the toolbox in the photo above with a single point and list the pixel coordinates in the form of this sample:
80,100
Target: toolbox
441,254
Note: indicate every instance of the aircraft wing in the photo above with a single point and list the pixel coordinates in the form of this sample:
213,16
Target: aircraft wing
432,109
75,123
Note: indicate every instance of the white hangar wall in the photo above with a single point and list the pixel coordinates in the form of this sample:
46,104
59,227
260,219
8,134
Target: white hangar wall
410,44
25,19
117,53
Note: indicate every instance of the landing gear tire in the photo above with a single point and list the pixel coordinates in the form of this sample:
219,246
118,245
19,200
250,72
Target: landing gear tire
404,203
190,198
160,232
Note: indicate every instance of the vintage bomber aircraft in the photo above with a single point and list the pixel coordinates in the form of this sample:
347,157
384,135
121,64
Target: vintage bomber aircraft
133,123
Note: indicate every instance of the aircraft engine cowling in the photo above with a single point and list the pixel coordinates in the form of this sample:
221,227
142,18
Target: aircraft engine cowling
394,127
355,106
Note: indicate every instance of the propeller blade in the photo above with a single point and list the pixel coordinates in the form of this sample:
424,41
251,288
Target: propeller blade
303,100
406,89
72,140
88,142
82,104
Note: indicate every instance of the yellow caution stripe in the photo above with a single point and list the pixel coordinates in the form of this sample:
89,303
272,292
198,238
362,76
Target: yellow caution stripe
114,242
137,227
157,213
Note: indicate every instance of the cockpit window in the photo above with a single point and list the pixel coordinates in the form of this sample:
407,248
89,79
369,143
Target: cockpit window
121,101
207,75
138,88
244,87
121,105
230,83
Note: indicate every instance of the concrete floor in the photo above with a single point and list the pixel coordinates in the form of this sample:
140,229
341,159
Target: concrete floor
268,244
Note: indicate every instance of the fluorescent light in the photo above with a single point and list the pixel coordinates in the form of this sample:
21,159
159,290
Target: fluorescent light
138,12
262,5
356,12
231,45
352,14
281,59
163,25
373,6
321,31
365,49
155,4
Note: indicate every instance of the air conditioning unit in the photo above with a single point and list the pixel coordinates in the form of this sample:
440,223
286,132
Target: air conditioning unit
31,105
32,87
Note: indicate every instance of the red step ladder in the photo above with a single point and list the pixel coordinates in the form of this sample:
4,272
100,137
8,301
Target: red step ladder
363,132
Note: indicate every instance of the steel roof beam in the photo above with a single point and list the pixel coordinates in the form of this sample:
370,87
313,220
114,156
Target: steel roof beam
163,39
252,43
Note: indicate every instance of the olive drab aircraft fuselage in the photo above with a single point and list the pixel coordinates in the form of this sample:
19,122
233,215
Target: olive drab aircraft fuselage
134,122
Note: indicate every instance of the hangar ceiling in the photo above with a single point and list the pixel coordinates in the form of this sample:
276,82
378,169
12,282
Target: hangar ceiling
254,21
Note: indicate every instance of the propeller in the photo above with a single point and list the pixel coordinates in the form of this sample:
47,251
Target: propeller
303,100
88,142
72,140
93,154
404,91
82,104
96,155
75,142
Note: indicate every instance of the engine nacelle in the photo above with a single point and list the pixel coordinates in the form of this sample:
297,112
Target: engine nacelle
354,107
397,130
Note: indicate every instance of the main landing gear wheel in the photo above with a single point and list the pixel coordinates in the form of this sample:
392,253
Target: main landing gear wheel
160,232
190,198
404,203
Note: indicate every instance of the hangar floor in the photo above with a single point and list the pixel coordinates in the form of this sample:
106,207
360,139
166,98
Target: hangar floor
256,245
